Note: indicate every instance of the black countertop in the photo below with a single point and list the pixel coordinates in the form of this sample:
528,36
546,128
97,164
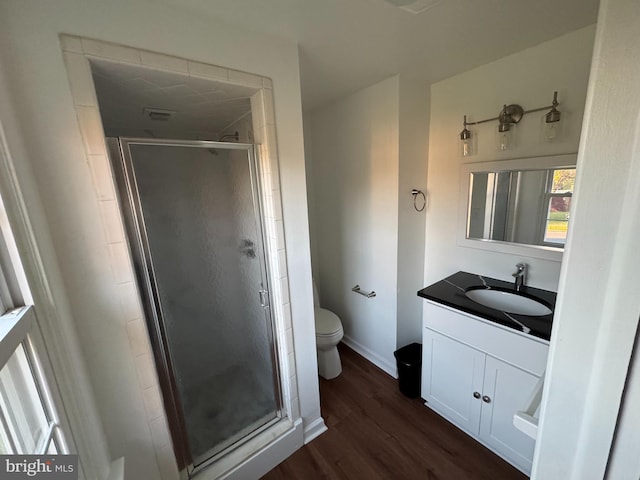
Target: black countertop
451,292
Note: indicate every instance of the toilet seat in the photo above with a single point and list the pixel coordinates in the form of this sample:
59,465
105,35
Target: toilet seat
327,323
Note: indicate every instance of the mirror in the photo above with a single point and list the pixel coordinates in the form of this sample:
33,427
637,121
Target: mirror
518,206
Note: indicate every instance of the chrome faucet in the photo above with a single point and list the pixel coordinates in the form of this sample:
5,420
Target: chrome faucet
520,275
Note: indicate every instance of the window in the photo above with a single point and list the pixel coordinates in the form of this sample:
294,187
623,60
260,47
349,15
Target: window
558,193
29,423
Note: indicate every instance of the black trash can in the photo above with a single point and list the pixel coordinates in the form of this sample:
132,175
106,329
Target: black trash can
409,361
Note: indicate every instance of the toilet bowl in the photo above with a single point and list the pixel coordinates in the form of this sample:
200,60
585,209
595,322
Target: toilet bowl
328,334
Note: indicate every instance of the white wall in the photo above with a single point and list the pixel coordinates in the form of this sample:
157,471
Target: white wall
596,318
354,175
38,82
625,461
25,211
382,137
414,146
528,78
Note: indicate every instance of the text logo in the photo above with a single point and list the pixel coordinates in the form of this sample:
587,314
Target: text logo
50,467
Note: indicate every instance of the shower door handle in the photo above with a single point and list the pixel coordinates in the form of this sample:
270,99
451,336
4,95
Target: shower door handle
264,298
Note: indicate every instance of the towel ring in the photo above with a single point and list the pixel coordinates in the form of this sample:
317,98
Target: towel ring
415,194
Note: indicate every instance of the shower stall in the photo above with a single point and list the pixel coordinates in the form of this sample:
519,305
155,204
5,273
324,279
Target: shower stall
193,216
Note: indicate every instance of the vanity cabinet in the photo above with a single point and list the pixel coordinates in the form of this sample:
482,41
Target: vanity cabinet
478,374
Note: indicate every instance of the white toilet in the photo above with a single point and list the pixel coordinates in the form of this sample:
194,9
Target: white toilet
328,334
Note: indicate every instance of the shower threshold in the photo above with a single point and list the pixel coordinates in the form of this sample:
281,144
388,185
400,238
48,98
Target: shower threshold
234,455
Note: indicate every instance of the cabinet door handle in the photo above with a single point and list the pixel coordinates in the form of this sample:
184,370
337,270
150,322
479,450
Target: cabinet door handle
476,394
486,399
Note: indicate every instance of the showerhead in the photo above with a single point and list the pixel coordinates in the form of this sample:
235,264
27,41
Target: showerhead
233,136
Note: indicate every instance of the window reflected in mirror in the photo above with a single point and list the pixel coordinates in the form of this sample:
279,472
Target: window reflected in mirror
529,207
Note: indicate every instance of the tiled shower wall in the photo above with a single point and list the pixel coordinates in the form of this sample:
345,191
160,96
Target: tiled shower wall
77,52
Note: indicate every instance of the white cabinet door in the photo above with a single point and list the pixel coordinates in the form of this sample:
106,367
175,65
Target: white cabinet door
460,355
451,373
507,389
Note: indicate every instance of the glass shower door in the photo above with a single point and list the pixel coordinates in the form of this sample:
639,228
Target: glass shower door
195,218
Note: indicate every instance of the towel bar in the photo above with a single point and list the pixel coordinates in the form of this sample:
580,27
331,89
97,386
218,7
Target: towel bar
366,294
527,420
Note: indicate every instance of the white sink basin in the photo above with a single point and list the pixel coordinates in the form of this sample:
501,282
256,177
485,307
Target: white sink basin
509,302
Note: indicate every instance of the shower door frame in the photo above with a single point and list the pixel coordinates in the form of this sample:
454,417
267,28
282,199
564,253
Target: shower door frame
136,235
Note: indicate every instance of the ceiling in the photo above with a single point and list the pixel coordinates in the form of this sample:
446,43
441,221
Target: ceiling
200,109
346,45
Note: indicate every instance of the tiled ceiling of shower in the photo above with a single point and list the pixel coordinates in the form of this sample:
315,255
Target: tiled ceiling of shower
202,108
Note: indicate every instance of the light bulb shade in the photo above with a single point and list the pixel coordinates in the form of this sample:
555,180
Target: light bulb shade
505,136
467,139
509,117
552,126
467,147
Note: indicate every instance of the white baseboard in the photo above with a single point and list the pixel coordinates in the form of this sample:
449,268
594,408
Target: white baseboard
314,429
373,357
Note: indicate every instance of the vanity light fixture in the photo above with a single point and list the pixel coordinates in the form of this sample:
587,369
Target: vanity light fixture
508,118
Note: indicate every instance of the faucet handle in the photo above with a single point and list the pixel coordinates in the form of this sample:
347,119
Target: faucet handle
520,269
519,275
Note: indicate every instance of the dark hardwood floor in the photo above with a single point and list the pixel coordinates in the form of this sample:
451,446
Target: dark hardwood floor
377,433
